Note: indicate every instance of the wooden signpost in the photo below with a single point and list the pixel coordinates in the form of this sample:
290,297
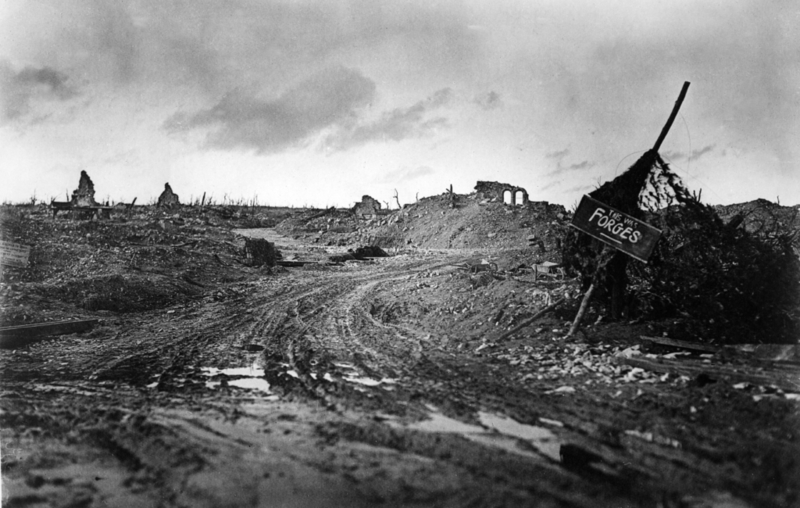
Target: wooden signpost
616,229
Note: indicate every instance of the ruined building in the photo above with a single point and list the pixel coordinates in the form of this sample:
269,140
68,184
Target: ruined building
503,192
168,199
368,208
84,194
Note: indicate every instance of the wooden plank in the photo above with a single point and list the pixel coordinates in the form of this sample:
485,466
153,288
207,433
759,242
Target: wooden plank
292,263
785,379
14,254
16,336
680,344
769,352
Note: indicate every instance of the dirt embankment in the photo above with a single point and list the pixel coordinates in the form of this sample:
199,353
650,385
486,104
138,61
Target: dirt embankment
432,223
365,383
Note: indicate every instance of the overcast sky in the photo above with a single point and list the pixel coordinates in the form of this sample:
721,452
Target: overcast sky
319,102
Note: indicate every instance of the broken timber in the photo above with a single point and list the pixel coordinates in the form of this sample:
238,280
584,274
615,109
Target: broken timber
787,353
786,377
15,336
530,320
58,206
292,263
680,344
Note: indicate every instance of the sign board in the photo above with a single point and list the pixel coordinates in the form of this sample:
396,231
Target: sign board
14,254
612,227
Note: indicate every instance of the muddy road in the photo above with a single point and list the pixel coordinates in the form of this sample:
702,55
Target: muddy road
377,383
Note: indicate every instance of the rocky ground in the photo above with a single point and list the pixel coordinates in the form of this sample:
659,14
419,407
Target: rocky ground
386,382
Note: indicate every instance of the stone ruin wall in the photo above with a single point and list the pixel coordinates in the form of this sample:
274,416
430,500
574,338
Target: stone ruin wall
368,208
84,194
168,199
495,190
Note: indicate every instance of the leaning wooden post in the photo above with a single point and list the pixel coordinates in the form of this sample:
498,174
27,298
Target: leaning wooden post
582,310
530,320
129,208
672,116
601,265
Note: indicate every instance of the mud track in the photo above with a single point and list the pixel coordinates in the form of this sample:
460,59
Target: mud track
364,408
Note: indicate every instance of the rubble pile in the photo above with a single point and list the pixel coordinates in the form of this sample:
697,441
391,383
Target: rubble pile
367,208
763,218
444,221
143,262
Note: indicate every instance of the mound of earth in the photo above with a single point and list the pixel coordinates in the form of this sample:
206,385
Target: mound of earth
129,293
432,223
134,262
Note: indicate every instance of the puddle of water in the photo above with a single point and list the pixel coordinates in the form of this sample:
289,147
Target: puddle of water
440,423
250,378
496,431
506,443
252,384
366,381
542,439
252,371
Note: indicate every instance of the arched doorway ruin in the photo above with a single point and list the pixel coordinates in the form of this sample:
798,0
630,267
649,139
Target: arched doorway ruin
519,198
508,197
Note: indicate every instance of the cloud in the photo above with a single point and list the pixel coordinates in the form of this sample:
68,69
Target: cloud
244,121
579,188
572,167
558,154
31,86
580,165
576,188
211,46
696,154
488,101
406,174
394,125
